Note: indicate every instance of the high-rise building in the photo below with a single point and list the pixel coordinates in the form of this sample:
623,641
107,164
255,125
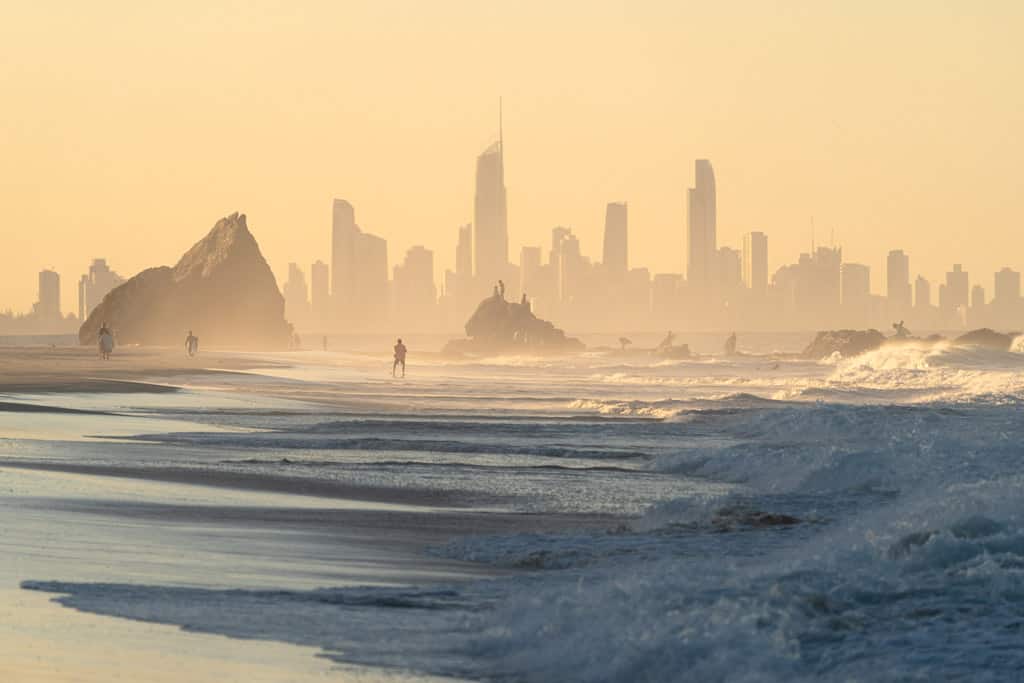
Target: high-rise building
701,223
372,279
755,262
729,270
359,270
616,241
464,296
1007,286
922,293
48,306
415,294
977,297
319,275
95,285
897,279
956,289
490,216
529,270
296,296
344,240
856,283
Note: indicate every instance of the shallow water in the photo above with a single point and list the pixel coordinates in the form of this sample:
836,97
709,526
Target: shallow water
752,518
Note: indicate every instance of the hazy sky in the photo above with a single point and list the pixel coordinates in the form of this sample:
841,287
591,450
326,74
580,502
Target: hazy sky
126,131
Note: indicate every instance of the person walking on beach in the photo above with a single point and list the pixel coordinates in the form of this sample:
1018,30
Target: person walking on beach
106,342
191,344
400,352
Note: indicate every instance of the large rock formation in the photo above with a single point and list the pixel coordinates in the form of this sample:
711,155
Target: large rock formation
846,342
499,326
222,289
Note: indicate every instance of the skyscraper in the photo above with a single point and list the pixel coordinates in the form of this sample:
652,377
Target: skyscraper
701,223
922,293
490,215
296,296
616,241
897,282
956,289
344,236
415,294
359,270
320,293
755,262
95,285
48,306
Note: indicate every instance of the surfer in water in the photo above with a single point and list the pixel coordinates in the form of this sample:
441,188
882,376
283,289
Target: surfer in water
400,352
191,344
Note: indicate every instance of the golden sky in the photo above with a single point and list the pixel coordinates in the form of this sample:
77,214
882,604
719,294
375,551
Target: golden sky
127,129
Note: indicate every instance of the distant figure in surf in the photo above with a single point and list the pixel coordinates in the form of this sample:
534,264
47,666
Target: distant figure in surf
191,344
105,339
730,345
901,331
501,288
400,352
666,343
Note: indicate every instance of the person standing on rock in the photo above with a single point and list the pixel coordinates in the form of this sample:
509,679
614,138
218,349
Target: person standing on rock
400,352
191,344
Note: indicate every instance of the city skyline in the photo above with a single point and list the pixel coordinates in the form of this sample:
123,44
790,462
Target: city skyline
912,142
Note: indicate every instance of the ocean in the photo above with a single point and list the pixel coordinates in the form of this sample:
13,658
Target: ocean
603,517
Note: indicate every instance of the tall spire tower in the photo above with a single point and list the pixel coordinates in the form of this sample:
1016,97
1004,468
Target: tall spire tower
490,216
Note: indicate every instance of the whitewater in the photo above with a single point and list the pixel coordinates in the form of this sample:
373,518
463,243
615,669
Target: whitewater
756,517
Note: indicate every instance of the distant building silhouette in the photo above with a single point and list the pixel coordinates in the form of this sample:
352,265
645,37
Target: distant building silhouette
701,222
95,285
464,295
296,297
490,216
414,291
922,293
897,283
320,295
616,241
359,271
956,290
755,262
47,309
856,293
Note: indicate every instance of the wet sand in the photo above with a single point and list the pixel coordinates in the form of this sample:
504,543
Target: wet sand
134,523
41,369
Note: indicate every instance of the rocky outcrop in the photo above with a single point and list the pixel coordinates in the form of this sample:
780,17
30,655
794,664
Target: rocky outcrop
499,326
847,342
222,289
990,339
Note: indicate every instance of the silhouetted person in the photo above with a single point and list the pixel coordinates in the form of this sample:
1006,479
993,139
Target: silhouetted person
523,301
400,352
501,288
191,344
901,331
666,343
730,345
105,339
